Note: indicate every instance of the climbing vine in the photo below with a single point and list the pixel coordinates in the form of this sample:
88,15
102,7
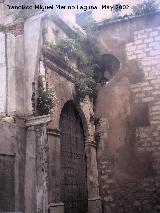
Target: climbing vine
45,100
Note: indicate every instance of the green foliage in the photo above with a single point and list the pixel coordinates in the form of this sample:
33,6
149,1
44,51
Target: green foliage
84,87
50,45
83,48
68,48
146,7
45,101
91,29
90,59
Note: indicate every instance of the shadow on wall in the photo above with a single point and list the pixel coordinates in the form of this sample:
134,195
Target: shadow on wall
130,162
135,72
110,66
133,164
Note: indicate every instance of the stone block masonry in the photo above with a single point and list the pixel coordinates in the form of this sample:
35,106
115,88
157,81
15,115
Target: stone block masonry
146,51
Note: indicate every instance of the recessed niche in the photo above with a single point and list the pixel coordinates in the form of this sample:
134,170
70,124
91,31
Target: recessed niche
141,114
110,65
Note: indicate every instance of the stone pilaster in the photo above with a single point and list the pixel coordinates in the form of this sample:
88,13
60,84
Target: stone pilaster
94,200
55,204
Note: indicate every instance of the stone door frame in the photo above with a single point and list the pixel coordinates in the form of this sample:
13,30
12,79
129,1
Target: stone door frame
54,197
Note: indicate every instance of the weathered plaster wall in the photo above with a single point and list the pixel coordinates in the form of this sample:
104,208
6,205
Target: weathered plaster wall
12,60
2,72
32,46
1,12
129,107
51,31
11,76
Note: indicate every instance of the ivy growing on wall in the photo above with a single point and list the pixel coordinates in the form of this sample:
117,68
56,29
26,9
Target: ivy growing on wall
45,101
87,55
68,48
82,48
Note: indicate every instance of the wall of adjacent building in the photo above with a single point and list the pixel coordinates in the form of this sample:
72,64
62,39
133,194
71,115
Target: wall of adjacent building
129,107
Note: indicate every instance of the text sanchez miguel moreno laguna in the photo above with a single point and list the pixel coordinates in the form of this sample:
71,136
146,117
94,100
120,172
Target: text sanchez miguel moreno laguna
68,7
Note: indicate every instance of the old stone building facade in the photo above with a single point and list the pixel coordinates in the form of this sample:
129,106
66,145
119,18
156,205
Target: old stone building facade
52,163
31,150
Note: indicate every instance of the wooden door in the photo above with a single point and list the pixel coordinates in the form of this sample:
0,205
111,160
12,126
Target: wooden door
73,161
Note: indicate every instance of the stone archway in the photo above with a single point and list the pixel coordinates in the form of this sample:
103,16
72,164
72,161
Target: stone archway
55,200
73,161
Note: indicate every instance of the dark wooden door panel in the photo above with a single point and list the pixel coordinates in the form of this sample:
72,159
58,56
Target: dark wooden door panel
73,161
7,196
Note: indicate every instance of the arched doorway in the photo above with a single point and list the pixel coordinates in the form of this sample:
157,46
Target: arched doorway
73,161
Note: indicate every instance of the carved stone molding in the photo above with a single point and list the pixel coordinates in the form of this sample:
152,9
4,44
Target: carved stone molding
54,132
38,120
15,29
